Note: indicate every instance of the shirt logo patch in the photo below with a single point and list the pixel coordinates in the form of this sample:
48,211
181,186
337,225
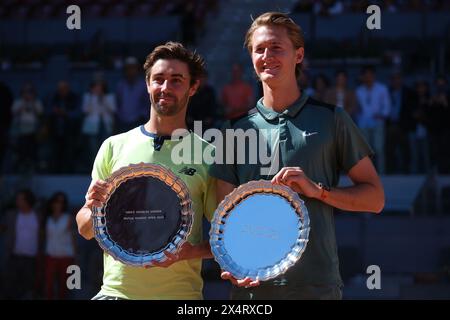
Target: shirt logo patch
188,171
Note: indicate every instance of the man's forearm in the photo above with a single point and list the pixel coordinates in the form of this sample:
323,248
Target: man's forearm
84,222
363,197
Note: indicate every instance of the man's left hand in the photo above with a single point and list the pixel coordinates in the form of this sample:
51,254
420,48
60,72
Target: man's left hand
296,179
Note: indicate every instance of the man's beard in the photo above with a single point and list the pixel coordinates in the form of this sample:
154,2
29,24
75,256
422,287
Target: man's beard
170,109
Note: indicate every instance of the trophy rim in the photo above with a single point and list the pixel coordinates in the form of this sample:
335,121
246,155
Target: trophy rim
163,174
226,207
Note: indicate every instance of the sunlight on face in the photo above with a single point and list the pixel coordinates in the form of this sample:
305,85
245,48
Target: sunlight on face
169,87
273,54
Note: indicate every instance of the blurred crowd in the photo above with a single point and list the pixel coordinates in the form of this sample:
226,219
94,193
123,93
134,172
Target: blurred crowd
95,47
336,7
45,9
405,125
39,243
62,132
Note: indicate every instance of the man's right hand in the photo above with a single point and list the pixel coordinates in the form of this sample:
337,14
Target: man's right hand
96,195
246,282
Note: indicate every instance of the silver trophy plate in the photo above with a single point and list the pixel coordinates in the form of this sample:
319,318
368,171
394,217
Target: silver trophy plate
148,212
259,230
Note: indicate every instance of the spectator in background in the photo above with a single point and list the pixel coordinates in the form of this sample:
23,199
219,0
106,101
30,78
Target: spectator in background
360,6
342,96
390,6
59,245
132,98
203,106
189,24
417,131
99,108
303,82
64,125
237,96
22,244
335,7
205,8
375,106
328,7
27,112
6,98
398,125
417,5
304,6
439,116
321,85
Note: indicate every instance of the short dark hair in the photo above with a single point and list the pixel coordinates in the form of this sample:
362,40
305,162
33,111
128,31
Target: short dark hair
340,71
28,195
368,68
54,197
441,77
100,82
176,51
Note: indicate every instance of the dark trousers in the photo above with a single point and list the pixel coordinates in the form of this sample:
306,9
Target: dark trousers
26,153
397,149
286,292
20,278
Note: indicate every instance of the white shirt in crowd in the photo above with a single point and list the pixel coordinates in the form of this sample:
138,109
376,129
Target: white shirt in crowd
27,234
26,116
59,237
98,110
373,102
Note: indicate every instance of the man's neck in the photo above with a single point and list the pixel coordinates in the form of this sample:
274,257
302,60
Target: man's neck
280,98
26,210
370,85
165,126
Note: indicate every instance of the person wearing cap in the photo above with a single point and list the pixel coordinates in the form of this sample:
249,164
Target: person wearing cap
131,94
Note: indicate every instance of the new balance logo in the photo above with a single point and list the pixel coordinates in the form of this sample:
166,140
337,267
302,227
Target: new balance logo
188,171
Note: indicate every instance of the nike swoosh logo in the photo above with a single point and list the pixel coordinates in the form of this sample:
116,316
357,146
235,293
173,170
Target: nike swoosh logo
308,134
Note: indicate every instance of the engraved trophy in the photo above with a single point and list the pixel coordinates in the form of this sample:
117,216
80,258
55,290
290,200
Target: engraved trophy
148,212
259,230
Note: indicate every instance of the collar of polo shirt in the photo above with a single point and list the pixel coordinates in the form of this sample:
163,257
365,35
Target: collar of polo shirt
291,111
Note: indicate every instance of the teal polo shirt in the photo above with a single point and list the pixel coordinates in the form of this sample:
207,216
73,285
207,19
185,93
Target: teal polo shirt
321,139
